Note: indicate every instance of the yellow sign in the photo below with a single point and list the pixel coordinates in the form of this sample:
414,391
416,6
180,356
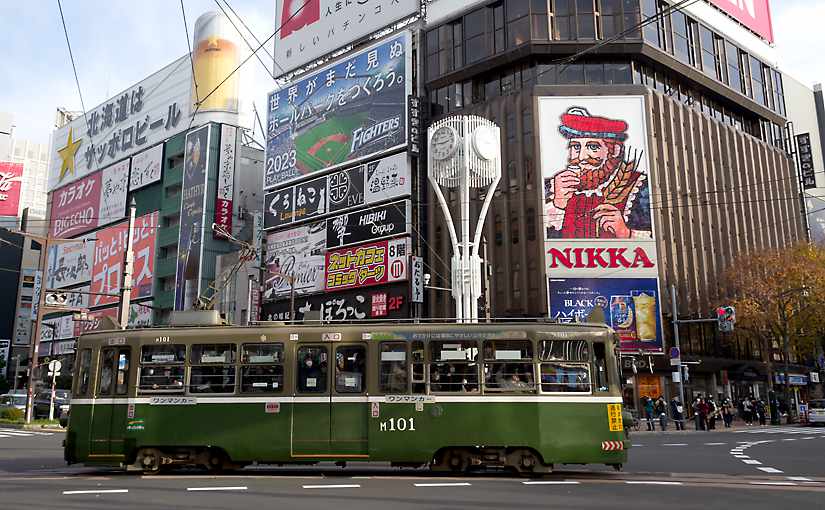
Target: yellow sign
67,155
614,417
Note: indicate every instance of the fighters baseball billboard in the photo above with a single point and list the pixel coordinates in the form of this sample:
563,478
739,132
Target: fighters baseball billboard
345,112
310,29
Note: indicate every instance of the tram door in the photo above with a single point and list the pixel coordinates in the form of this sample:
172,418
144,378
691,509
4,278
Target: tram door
329,413
110,408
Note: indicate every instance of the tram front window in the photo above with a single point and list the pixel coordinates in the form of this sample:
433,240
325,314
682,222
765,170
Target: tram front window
312,369
565,366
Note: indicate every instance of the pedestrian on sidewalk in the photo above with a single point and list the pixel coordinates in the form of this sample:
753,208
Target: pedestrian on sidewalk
661,412
727,413
649,413
698,416
677,411
713,414
747,411
760,412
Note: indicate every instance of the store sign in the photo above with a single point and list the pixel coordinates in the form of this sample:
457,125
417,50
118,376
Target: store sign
344,112
389,302
226,178
63,348
11,183
806,160
192,218
110,248
628,305
38,290
377,181
147,167
5,347
60,328
310,29
417,280
597,259
70,264
388,220
140,316
369,264
295,257
94,201
754,14
23,325
140,117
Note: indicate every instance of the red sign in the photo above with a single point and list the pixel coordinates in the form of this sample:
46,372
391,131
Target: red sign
754,14
368,264
108,260
75,207
298,14
11,181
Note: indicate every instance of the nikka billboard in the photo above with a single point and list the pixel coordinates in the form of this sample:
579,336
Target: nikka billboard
599,242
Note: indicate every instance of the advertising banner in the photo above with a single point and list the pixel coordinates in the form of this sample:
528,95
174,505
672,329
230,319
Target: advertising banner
70,263
140,316
94,201
295,253
79,297
192,218
309,29
806,160
366,225
110,248
815,207
754,14
140,117
369,264
601,259
5,347
147,167
23,325
226,177
385,179
628,305
345,112
11,183
60,328
388,302
63,348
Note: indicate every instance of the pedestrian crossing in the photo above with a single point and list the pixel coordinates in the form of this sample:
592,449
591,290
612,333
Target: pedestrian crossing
12,433
807,431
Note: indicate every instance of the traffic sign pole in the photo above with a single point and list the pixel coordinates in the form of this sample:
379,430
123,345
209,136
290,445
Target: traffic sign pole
678,347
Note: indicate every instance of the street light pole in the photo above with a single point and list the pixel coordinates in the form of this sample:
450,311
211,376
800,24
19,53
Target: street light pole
35,344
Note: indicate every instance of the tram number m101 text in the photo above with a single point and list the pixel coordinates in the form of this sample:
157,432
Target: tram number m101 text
398,424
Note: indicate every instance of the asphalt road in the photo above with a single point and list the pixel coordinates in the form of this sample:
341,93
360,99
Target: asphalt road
752,468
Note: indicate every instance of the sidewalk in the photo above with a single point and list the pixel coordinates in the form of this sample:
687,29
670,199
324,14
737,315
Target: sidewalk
37,427
690,428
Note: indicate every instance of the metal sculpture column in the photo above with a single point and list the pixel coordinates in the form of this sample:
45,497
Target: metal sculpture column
464,152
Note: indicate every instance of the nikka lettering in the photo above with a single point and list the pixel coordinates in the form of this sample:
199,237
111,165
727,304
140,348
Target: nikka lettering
593,258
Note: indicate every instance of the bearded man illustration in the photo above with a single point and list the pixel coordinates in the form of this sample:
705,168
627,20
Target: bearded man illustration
602,193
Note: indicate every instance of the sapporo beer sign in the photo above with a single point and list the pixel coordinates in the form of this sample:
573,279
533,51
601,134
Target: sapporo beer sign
369,264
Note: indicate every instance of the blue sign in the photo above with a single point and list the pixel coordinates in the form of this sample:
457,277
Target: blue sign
629,305
342,113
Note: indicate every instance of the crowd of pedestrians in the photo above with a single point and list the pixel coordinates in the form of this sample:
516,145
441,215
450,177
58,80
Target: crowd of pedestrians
705,412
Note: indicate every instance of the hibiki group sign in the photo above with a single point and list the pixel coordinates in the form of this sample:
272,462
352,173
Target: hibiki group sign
345,112
110,247
96,200
598,227
11,182
362,226
309,29
369,264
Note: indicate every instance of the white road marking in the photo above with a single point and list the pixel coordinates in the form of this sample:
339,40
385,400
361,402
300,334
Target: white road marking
808,438
799,478
637,445
550,482
789,439
195,489
675,444
752,462
4,436
339,486
770,470
650,482
457,484
102,491
773,483
715,444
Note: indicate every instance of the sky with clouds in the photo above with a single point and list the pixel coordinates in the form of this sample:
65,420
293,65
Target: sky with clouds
117,43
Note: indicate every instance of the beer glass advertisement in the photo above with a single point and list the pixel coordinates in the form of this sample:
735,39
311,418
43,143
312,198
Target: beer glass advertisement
628,305
295,253
192,216
345,112
595,168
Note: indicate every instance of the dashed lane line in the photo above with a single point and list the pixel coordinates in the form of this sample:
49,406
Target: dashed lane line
751,462
770,470
336,486
773,483
715,444
200,489
100,491
456,484
651,482
675,444
799,479
551,482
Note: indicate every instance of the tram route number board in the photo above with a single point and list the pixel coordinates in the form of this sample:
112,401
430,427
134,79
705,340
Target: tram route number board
272,407
614,417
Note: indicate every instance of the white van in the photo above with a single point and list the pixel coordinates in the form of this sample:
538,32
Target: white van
816,412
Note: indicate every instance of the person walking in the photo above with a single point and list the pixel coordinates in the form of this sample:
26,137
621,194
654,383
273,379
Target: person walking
677,412
649,410
704,409
661,412
698,403
727,413
713,414
747,411
760,412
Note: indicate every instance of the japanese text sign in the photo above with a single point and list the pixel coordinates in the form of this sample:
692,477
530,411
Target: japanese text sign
369,264
366,225
387,302
146,167
345,112
226,177
295,257
806,160
96,200
70,263
11,182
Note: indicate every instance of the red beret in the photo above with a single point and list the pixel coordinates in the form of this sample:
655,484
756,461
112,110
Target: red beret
578,123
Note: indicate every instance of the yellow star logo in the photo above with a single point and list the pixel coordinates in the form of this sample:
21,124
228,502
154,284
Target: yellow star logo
67,155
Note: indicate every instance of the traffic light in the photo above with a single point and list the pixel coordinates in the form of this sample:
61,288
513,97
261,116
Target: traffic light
57,299
726,318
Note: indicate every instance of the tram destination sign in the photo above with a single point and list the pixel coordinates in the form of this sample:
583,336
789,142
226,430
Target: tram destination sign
388,220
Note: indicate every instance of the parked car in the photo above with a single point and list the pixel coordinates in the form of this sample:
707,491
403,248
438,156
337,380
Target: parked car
13,400
43,399
816,412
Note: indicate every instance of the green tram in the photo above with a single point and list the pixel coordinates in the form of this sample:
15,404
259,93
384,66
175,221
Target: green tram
525,396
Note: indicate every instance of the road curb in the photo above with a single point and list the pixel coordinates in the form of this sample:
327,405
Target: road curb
724,430
39,428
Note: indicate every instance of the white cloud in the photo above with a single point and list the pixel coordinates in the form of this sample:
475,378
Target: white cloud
796,25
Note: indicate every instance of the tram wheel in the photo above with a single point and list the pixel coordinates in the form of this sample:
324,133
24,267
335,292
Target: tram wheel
216,461
148,460
457,461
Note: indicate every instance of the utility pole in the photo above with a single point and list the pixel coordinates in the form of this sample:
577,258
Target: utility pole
676,344
487,293
249,281
126,285
16,370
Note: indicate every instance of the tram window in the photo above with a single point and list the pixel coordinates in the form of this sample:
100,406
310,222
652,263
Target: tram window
114,372
350,368
419,377
558,377
122,379
565,350
454,367
162,354
312,369
84,371
393,375
508,366
107,372
600,358
262,369
161,379
213,368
